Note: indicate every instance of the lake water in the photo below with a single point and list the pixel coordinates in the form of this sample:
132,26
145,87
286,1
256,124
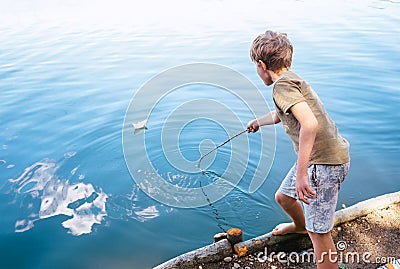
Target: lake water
68,73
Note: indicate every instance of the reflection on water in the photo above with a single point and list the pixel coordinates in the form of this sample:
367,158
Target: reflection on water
148,213
43,195
127,207
84,204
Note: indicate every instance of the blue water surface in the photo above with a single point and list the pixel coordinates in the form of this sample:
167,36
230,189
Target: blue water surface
68,71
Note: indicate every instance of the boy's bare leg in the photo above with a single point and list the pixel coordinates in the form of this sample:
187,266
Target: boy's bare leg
293,208
325,250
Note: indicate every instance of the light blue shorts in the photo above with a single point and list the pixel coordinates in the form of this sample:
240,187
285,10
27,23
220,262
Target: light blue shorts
325,180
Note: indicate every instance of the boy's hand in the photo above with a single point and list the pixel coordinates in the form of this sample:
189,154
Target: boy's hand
303,188
253,126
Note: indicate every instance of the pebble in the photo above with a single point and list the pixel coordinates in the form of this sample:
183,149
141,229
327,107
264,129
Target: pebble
227,259
236,265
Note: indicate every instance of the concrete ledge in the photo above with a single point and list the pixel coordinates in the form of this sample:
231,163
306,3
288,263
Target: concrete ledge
365,207
291,242
210,253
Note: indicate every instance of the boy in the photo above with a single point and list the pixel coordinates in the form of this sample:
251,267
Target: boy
322,154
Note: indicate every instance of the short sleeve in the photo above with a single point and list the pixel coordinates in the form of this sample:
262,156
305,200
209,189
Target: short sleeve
287,93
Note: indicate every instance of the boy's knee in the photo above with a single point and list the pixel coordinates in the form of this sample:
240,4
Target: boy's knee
283,199
278,197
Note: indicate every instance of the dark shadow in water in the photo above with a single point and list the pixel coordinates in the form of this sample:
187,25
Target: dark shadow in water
221,221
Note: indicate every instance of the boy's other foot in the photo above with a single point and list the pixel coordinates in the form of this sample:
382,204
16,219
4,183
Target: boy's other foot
288,228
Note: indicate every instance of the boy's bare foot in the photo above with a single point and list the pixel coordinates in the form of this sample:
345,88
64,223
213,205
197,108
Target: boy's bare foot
288,228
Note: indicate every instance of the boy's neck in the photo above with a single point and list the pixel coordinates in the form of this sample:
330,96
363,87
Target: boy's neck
275,75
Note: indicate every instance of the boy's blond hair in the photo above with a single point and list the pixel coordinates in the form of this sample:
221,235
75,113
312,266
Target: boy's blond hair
274,49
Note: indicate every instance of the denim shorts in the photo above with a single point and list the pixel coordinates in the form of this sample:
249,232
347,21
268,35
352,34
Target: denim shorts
325,180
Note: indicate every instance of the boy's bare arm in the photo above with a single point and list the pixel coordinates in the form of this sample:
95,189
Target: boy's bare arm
308,131
268,119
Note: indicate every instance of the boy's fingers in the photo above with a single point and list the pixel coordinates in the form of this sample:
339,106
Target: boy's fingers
303,199
304,194
251,129
310,193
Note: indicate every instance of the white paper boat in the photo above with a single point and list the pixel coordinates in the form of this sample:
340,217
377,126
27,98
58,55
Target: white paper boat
139,126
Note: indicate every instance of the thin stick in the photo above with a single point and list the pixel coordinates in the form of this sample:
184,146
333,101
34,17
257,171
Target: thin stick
226,141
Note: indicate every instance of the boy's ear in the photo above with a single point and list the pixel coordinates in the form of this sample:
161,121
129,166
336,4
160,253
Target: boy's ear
263,65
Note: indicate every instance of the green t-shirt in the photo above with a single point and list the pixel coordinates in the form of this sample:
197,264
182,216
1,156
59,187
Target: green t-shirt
329,147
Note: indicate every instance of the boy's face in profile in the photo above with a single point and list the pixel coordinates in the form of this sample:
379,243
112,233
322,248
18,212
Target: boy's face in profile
263,73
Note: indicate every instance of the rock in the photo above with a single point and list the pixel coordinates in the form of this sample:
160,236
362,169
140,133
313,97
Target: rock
227,259
236,265
220,236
